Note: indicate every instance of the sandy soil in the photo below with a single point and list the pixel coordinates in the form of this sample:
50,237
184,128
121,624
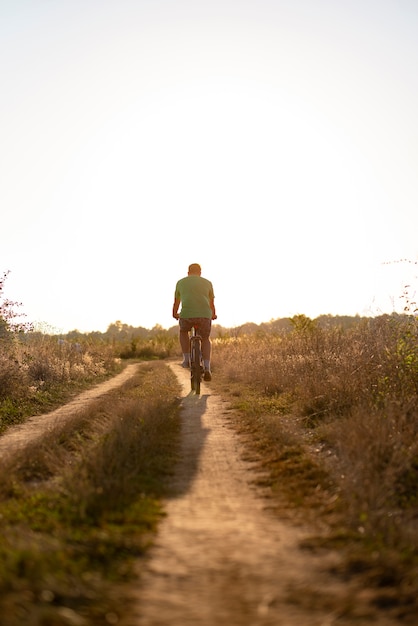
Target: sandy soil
221,558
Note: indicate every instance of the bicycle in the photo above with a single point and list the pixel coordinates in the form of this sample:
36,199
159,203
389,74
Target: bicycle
196,360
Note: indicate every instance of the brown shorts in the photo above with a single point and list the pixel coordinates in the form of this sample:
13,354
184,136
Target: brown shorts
202,324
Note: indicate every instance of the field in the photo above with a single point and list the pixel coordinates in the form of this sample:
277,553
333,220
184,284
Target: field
332,415
329,413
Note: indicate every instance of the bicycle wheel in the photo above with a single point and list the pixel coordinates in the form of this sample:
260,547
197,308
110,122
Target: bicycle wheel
196,372
192,358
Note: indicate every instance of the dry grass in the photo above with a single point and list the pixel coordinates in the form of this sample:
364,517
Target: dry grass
333,417
78,507
39,372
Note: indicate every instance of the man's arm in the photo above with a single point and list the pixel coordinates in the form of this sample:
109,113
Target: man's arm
176,308
212,306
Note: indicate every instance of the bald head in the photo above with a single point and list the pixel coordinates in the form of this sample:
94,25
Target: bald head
195,269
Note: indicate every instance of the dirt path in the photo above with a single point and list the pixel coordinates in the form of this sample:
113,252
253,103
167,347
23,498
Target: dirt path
220,557
33,428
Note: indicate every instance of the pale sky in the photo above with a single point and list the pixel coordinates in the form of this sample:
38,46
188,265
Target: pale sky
275,142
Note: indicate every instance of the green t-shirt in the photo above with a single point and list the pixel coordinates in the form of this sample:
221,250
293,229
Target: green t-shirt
195,294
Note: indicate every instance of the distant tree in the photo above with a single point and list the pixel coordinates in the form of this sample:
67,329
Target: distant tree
74,334
117,330
10,319
279,325
338,321
302,323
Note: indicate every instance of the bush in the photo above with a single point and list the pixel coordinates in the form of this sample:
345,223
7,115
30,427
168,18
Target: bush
12,379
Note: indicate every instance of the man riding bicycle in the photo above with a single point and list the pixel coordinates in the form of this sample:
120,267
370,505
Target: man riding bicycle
196,296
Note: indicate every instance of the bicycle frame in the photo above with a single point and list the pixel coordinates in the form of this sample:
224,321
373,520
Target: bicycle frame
196,366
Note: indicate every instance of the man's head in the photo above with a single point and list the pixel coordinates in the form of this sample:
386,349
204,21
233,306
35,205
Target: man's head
195,269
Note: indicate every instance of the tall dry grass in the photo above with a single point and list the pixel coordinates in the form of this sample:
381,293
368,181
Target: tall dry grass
38,371
355,393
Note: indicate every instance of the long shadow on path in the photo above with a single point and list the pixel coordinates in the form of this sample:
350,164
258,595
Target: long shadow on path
193,437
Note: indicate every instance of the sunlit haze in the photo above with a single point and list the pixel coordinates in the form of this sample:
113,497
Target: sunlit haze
273,142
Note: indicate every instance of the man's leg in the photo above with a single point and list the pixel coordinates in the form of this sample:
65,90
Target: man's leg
206,348
184,343
206,353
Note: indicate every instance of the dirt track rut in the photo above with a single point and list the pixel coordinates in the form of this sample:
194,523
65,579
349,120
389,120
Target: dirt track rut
33,428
